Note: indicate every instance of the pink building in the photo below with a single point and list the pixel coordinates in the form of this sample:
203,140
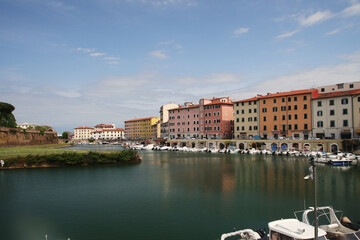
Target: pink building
211,118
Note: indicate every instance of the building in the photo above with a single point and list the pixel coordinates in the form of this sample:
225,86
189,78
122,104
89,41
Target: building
211,118
156,130
104,126
246,119
340,87
82,133
336,114
113,134
286,114
164,119
140,128
27,125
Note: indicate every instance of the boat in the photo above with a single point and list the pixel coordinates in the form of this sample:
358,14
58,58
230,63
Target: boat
284,229
335,228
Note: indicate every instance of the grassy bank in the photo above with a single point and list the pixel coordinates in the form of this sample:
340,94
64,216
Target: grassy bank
34,150
72,159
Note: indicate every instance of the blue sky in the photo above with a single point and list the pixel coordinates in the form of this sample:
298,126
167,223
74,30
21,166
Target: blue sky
79,63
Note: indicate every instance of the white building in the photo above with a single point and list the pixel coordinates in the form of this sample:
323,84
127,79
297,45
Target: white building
112,134
82,133
333,114
164,119
27,125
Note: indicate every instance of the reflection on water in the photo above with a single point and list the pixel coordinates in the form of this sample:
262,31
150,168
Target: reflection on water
172,194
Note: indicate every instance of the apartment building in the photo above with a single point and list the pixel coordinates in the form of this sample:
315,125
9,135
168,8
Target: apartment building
340,87
164,119
82,133
140,128
211,118
246,119
286,114
336,114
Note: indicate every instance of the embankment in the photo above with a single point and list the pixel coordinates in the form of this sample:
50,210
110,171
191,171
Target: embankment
68,159
11,137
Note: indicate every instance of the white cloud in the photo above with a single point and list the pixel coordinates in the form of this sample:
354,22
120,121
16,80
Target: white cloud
166,3
240,31
97,54
112,58
85,50
315,18
333,32
288,34
160,54
351,11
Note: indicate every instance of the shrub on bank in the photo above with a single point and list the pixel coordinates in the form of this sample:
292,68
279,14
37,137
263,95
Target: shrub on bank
74,159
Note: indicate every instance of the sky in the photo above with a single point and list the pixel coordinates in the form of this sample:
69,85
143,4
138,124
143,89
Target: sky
67,63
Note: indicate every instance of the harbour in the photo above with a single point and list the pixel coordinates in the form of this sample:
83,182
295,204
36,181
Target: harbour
177,195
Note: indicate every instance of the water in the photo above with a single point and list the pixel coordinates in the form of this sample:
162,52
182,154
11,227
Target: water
170,195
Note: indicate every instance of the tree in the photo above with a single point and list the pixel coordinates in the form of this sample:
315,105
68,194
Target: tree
7,119
65,135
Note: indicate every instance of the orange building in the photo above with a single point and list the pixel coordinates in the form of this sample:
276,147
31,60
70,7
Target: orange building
286,114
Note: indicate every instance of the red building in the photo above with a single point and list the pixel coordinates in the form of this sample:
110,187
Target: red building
211,118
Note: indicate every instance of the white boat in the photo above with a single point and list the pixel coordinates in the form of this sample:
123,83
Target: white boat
289,229
148,147
330,223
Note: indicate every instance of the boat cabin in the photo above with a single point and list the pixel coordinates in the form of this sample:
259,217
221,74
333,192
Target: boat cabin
293,229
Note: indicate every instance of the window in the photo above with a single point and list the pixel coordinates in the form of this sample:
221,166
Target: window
264,101
322,90
332,123
332,102
305,98
283,108
249,110
289,108
319,103
305,116
283,117
319,113
237,128
295,107
275,118
345,123
289,127
340,86
255,110
237,119
332,112
358,99
289,117
250,128
255,119
242,104
255,128
264,110
295,99
242,128
320,124
274,100
305,126
345,111
295,126
264,128
344,101
242,119
274,109
250,119
242,111
237,111
283,99
351,86
264,119
275,127
305,106
289,99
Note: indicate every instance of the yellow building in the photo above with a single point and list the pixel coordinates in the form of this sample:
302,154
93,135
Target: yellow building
140,128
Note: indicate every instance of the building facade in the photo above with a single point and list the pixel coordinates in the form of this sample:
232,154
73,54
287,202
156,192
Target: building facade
210,119
340,87
336,114
82,133
286,114
140,128
164,119
246,119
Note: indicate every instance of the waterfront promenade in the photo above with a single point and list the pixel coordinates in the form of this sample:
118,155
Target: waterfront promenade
327,145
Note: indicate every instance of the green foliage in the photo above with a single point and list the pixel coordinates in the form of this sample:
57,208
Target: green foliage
65,135
76,159
7,119
91,140
43,128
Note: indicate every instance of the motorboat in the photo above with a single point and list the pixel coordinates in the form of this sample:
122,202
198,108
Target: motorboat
334,226
284,229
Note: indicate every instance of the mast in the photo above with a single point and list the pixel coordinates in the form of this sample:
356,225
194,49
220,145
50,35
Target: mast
313,164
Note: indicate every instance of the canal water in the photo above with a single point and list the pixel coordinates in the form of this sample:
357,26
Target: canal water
170,195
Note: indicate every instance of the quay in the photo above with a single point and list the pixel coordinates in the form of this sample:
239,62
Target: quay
327,145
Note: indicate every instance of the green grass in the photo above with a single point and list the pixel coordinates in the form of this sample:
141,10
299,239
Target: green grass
36,150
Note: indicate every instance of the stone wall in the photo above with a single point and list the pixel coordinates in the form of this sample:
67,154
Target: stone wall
11,137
